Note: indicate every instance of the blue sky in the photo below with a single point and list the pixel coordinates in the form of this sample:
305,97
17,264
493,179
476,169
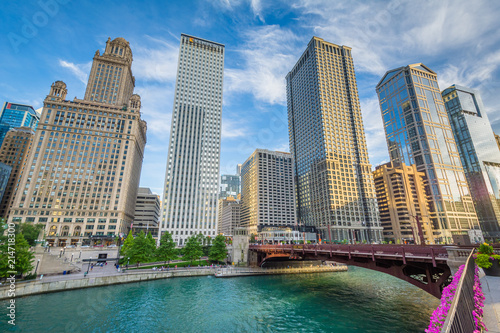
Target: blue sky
48,40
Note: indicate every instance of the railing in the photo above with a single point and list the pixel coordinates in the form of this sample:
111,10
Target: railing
405,251
460,318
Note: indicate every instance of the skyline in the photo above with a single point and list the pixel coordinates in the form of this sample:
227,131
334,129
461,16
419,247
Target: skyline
263,42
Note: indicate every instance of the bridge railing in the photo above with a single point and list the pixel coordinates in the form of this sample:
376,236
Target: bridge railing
427,251
460,318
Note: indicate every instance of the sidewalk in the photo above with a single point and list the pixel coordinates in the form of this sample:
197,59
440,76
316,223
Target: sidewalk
491,290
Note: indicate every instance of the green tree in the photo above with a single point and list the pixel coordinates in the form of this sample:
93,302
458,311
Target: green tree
151,243
166,251
30,232
218,252
23,257
127,245
253,239
141,249
192,249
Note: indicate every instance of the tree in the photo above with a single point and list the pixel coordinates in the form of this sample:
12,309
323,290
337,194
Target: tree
127,245
30,232
151,244
192,249
141,249
218,252
166,251
23,257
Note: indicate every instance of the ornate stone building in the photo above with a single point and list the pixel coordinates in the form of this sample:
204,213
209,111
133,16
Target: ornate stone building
83,171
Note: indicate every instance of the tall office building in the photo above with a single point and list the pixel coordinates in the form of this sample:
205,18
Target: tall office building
402,199
14,151
5,171
229,216
147,212
17,115
229,186
479,153
418,132
497,138
267,192
334,185
82,174
192,174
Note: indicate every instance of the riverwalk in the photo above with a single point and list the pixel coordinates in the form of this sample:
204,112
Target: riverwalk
491,290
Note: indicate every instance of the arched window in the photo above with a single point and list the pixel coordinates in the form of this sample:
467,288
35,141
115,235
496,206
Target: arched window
65,231
53,231
77,232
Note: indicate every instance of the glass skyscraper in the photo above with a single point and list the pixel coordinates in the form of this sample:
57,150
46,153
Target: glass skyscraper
478,152
192,174
229,186
17,115
334,186
418,132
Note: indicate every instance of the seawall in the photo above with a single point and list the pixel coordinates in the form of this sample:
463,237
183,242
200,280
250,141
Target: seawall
41,287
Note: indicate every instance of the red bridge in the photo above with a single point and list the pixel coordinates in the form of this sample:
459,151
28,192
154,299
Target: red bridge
427,267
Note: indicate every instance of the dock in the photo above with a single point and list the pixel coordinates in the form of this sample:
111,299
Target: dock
233,272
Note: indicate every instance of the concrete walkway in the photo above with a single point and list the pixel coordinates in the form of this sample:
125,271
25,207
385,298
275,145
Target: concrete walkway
491,290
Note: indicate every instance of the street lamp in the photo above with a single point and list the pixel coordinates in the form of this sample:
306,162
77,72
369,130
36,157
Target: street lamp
37,266
60,253
90,260
71,257
64,252
128,260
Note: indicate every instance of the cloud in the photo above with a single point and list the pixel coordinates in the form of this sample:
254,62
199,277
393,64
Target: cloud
156,62
78,70
374,131
233,129
268,55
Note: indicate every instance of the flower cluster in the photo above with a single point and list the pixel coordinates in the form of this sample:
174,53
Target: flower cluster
439,315
478,304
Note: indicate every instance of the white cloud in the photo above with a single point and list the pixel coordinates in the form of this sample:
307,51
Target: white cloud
157,62
268,53
79,70
233,129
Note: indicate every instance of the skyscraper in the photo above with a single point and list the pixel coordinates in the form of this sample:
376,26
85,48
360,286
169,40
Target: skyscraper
402,199
267,192
229,186
17,115
334,185
479,153
82,174
14,151
418,132
192,174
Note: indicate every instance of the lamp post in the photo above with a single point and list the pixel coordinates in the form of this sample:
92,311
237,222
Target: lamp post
89,265
71,257
38,261
80,254
60,253
64,251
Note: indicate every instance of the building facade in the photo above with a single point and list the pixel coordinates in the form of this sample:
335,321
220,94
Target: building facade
403,204
192,173
230,216
147,212
418,132
83,171
334,185
229,186
267,191
14,152
17,115
5,171
479,154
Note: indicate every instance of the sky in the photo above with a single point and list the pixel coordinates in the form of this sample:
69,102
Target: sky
42,41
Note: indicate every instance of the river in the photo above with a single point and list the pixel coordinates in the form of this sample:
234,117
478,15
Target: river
359,300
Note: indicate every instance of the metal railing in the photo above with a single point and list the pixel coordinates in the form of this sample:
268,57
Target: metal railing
460,318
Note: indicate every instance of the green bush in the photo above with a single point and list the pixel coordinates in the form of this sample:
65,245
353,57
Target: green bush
30,276
484,261
485,249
